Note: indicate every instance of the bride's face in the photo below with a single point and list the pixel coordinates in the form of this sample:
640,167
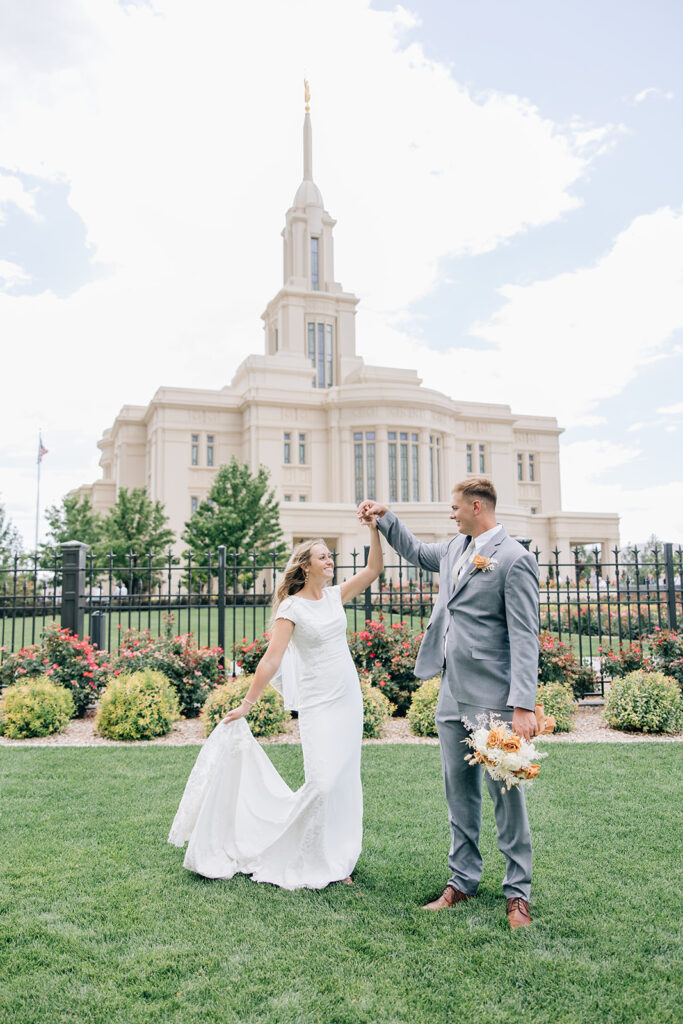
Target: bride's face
321,566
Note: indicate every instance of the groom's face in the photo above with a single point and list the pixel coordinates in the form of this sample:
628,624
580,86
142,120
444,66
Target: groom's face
462,511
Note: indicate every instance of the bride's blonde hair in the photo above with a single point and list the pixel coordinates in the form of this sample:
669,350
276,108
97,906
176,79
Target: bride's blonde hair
295,571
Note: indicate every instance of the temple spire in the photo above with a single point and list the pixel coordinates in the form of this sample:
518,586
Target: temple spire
308,136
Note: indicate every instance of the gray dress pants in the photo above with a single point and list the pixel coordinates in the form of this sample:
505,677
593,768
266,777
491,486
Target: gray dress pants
462,782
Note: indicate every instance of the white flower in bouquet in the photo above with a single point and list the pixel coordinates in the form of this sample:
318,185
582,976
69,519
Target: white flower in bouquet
506,756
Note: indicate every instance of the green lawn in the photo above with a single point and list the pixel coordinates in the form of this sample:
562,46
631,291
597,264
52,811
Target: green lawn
100,923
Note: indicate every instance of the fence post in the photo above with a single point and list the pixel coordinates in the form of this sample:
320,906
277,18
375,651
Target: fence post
368,590
73,585
221,602
670,584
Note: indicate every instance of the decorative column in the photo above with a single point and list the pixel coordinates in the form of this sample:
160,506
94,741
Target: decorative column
73,586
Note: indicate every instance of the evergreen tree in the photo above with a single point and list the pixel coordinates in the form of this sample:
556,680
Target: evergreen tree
135,525
241,513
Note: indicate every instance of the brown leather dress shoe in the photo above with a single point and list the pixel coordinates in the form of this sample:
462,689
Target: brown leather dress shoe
518,912
448,898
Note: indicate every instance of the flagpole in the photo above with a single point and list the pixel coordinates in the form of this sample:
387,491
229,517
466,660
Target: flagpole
39,460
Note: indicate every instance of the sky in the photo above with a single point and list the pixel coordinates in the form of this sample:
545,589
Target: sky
506,175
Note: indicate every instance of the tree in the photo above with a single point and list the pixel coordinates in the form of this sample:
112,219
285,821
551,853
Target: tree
10,541
74,519
134,525
642,562
241,513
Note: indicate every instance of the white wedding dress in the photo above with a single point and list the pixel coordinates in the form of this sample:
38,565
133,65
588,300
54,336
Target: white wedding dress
238,815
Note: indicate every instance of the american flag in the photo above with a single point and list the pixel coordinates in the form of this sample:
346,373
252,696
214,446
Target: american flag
42,450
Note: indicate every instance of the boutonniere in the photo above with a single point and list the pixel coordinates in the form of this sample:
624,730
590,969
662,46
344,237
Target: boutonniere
485,564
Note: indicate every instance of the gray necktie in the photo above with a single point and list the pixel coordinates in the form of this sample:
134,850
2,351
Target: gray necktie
469,548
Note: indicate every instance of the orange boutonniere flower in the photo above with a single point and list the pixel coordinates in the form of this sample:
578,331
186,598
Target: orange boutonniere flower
484,564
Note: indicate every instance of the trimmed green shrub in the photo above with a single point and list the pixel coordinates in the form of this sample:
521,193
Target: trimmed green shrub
137,706
35,708
559,701
422,710
377,708
267,717
645,702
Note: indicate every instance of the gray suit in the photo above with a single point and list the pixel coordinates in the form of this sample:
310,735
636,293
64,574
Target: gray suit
483,634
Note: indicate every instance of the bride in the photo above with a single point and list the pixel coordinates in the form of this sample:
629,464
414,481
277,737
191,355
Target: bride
237,814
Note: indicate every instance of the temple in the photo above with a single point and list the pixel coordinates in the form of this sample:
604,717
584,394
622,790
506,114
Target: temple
332,429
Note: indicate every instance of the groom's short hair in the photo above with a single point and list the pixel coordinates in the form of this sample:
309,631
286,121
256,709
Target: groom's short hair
478,487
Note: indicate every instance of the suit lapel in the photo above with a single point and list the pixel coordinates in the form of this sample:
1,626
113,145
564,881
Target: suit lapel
486,552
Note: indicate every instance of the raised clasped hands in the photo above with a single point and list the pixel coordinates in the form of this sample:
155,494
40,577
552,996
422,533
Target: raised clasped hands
370,511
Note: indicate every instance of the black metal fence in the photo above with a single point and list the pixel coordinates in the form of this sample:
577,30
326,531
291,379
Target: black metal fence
593,607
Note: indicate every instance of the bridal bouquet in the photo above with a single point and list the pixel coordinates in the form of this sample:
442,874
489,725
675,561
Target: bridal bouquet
506,756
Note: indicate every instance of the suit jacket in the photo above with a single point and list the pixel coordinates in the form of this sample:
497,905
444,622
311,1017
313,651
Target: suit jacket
487,625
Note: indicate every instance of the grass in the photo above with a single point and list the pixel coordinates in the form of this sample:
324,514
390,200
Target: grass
100,923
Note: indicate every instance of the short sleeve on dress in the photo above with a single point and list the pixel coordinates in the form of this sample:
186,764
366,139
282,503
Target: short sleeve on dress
335,593
287,610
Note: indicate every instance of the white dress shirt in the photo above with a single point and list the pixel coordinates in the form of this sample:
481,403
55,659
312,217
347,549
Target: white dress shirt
480,542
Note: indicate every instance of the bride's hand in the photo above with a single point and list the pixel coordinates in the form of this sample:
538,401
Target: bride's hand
236,713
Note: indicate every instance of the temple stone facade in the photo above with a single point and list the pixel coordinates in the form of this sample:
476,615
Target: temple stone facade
332,429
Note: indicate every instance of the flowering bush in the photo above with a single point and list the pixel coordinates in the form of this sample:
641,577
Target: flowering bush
645,702
422,710
36,707
248,653
376,707
557,664
389,655
558,700
137,706
667,652
555,660
616,664
267,717
65,659
193,671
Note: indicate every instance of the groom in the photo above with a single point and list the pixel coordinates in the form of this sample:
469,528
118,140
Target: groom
483,634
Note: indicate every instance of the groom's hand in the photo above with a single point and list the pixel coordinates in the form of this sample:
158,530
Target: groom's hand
524,723
368,509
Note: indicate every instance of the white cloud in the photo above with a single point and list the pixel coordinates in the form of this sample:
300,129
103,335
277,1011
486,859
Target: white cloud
589,484
178,130
13,192
12,274
559,346
672,410
652,90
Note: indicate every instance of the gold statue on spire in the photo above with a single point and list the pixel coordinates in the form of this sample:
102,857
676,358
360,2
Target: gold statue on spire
307,95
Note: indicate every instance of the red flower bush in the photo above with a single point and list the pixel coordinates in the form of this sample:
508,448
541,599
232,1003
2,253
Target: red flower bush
557,664
617,664
66,659
248,653
666,646
389,655
192,671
